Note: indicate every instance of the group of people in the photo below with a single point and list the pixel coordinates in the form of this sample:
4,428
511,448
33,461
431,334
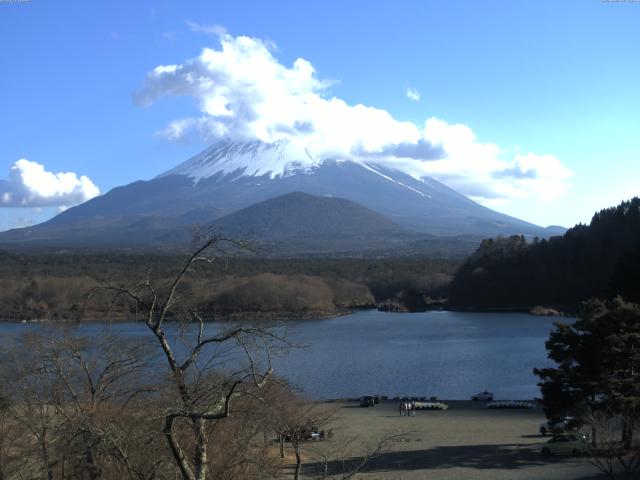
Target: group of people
408,409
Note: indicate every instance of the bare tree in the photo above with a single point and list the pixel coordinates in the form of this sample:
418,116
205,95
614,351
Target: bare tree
243,446
188,403
70,396
305,426
610,454
206,374
303,423
279,407
31,413
10,440
346,457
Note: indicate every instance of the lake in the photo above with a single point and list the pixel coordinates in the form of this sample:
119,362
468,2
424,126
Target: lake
451,355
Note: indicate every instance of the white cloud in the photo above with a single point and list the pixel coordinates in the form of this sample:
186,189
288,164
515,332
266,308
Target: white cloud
215,29
412,94
30,185
177,130
244,93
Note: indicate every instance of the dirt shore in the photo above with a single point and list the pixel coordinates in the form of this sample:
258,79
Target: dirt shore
466,442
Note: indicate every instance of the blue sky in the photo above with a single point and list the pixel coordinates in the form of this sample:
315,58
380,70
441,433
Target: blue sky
554,82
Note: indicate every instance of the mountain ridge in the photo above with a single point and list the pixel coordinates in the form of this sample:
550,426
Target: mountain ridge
230,176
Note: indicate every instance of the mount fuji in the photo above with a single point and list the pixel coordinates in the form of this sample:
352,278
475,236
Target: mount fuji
229,176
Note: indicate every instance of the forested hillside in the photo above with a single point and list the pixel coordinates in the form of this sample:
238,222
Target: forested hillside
600,260
56,286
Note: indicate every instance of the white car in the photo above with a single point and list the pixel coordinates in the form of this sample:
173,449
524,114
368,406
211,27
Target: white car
565,444
483,397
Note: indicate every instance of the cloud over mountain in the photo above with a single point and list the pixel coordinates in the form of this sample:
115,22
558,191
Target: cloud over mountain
244,93
30,185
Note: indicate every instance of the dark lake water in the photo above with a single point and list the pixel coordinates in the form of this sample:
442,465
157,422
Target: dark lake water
447,354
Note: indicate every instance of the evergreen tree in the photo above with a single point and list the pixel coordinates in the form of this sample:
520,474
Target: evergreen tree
600,260
598,363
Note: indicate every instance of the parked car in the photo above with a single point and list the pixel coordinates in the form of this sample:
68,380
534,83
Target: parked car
483,397
558,425
367,401
565,444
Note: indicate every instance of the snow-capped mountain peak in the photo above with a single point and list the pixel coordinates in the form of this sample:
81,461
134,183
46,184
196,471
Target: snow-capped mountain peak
231,176
251,159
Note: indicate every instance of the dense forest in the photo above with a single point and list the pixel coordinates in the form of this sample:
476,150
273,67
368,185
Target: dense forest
57,286
599,260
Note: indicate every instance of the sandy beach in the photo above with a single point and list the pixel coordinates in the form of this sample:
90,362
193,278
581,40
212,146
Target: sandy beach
467,441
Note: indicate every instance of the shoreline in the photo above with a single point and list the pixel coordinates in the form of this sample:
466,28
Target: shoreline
289,316
228,319
538,311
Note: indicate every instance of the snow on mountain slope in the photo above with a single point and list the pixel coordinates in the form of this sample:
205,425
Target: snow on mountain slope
258,159
254,159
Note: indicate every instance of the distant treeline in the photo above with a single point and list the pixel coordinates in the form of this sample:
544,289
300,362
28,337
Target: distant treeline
599,260
57,286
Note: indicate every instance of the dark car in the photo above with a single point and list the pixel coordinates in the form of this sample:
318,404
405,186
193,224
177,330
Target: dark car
559,425
367,401
483,397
